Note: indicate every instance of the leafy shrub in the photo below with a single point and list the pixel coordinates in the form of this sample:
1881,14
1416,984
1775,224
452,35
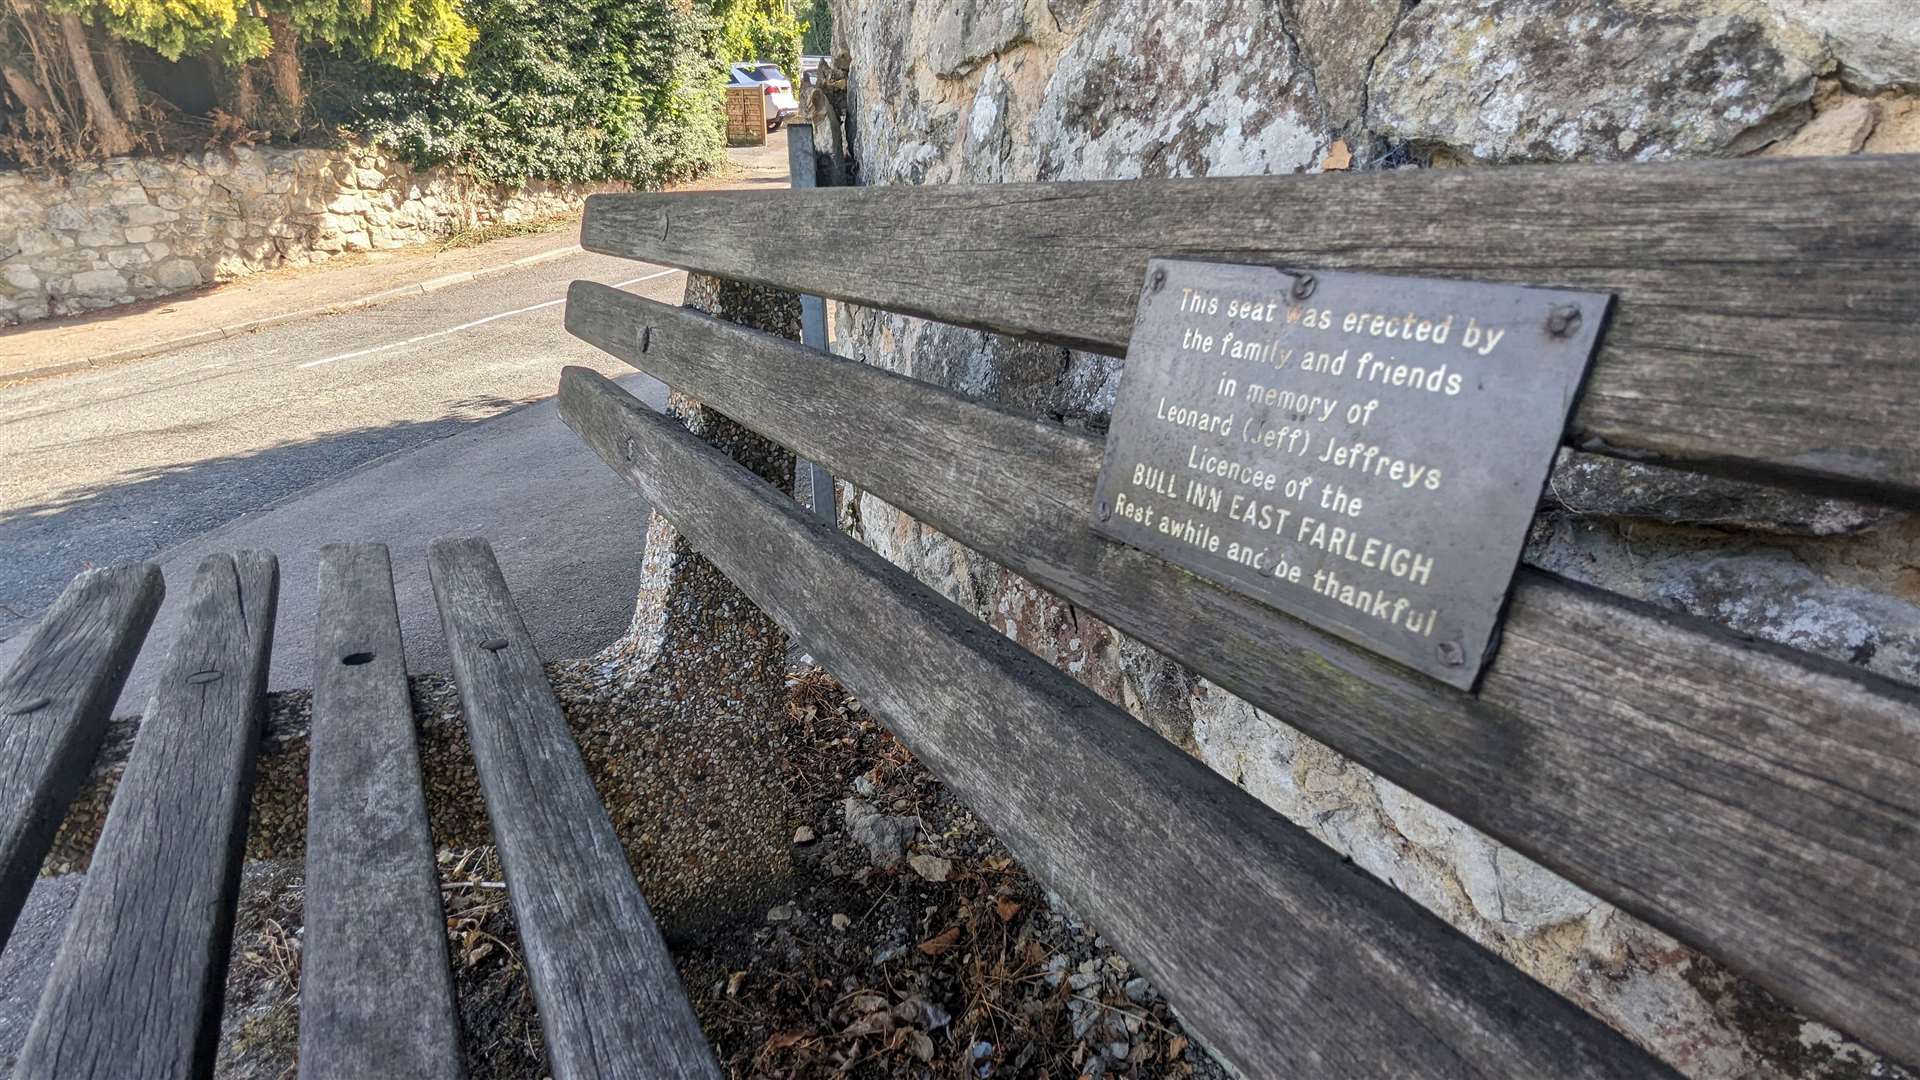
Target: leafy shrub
563,90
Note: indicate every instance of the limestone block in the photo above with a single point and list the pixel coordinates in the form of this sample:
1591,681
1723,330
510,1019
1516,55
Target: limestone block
98,234
146,214
98,283
127,193
159,249
1509,889
122,258
20,277
1876,43
1593,484
139,234
34,241
66,216
177,274
1841,128
1549,80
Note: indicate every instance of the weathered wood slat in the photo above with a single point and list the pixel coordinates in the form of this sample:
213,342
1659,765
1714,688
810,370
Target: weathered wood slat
137,987
1768,314
1759,803
54,706
610,1002
376,995
1284,959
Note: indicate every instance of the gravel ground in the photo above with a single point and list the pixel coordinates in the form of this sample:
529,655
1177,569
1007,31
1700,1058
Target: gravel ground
910,944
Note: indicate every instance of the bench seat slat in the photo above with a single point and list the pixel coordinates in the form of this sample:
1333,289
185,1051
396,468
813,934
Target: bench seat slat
610,1001
137,986
376,994
54,706
1766,318
1759,803
1282,958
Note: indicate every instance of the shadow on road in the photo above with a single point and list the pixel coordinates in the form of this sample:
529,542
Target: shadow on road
569,534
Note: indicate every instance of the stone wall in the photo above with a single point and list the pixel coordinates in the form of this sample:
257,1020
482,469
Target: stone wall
960,91
131,228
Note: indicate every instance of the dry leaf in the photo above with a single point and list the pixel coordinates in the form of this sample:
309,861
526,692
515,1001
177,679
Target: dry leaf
874,1023
782,1040
1006,908
733,982
941,942
1338,157
998,862
921,1046
931,867
1176,1047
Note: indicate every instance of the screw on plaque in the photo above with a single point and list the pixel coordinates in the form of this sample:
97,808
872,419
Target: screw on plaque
1303,285
1451,654
1105,512
1158,280
1564,319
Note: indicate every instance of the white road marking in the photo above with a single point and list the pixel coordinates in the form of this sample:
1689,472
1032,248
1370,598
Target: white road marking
468,326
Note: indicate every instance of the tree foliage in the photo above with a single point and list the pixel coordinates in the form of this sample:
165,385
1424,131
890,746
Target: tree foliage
567,90
226,29
759,30
817,37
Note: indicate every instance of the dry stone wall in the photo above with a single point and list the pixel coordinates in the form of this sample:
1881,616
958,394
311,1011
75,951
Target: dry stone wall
132,228
970,91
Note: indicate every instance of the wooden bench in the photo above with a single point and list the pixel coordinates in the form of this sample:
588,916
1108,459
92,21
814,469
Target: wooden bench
1757,802
136,989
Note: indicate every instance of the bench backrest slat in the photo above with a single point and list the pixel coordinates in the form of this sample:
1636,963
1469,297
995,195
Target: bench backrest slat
1280,957
1658,761
54,705
1766,316
610,1001
137,987
376,996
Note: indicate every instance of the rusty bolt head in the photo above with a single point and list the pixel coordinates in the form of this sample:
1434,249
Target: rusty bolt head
1563,320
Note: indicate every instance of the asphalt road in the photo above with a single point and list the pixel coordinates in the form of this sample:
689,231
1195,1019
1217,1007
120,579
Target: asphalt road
422,417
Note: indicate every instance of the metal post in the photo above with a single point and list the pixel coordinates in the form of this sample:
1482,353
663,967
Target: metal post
803,166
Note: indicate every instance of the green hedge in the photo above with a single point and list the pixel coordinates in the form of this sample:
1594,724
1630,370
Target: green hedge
564,90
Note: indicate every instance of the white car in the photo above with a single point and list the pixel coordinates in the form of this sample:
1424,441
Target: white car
769,78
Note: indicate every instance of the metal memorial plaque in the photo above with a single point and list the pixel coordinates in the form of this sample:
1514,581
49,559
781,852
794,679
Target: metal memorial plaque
1363,452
